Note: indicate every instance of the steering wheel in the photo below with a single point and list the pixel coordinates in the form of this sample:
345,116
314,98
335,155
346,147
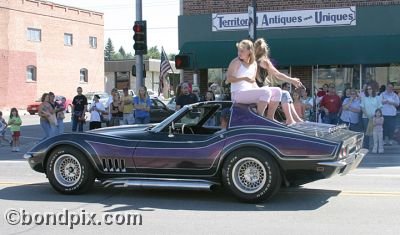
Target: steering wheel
183,129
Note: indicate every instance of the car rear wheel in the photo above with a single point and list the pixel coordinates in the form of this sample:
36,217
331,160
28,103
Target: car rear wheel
69,172
251,175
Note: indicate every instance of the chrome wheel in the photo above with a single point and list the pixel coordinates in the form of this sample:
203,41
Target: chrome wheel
249,175
67,170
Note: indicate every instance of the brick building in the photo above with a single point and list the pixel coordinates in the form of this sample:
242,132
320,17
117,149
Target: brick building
346,42
48,47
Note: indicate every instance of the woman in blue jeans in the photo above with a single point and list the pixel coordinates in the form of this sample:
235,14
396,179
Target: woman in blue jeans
142,104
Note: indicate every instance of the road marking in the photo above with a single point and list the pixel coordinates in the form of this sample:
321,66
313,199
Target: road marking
306,190
28,137
14,162
343,192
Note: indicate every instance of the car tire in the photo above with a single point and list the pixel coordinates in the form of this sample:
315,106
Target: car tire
251,175
80,177
69,109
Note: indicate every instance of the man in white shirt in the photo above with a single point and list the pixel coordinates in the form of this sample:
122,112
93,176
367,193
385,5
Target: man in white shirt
390,102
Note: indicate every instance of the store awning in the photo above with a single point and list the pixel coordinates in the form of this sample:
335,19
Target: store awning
303,51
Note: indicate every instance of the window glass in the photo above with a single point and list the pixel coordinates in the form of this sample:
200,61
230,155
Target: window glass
93,42
31,73
34,35
84,75
67,39
340,76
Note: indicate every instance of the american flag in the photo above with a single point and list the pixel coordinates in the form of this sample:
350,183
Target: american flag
165,66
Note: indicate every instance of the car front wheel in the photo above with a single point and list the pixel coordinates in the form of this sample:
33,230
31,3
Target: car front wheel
251,175
69,172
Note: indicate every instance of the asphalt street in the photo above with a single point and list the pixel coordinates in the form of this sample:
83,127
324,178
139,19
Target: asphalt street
366,201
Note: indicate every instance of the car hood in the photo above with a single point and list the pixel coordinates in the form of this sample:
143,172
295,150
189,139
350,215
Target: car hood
126,131
326,131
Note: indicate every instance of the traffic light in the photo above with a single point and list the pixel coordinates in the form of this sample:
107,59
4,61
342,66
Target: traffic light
140,37
182,61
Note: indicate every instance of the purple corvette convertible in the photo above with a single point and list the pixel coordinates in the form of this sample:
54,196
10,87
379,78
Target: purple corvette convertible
201,146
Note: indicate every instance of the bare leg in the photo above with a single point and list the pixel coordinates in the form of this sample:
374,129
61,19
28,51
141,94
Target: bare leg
294,113
261,106
273,105
288,114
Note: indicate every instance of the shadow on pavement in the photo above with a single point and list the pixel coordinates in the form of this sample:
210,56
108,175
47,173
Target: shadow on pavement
288,199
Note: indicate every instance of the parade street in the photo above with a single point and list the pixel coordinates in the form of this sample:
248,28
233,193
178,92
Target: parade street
366,201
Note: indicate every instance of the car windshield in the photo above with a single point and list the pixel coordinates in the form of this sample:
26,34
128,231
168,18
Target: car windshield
206,114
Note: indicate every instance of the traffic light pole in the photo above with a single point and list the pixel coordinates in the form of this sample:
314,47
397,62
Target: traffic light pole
139,58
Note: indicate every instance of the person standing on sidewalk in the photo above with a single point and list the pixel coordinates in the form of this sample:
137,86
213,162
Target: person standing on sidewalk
96,112
79,107
142,106
331,105
15,126
3,128
370,102
390,102
127,101
377,132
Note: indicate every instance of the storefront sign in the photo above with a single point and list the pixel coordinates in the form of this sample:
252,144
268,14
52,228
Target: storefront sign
286,19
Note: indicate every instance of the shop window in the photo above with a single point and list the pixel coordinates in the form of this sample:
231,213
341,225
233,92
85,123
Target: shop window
84,75
93,42
342,76
382,74
67,39
34,35
31,73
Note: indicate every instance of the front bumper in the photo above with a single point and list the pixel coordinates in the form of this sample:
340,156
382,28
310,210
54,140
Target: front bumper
344,166
35,161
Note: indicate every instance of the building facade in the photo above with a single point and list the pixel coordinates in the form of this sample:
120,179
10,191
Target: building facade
48,47
345,42
118,74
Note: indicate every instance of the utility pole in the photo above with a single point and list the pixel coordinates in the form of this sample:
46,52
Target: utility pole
252,10
139,58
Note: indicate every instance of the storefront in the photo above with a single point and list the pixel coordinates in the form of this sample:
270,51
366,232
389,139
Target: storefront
346,45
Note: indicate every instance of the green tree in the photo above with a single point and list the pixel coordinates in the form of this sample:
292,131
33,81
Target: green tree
122,52
117,56
171,56
153,53
129,56
109,50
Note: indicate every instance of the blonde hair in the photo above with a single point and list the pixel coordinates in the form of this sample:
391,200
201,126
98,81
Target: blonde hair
261,49
248,45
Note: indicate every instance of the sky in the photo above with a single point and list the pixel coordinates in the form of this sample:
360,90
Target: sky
120,15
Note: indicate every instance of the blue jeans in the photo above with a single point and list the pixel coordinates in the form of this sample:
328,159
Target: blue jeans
389,125
49,130
60,127
331,118
142,120
76,124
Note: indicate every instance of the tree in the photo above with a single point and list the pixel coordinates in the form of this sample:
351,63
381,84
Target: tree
171,56
122,52
153,53
109,50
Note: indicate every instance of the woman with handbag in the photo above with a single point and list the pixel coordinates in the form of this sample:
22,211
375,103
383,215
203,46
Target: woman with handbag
370,102
46,116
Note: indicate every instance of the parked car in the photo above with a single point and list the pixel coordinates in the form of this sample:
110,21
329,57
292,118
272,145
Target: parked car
159,111
103,98
34,107
251,157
